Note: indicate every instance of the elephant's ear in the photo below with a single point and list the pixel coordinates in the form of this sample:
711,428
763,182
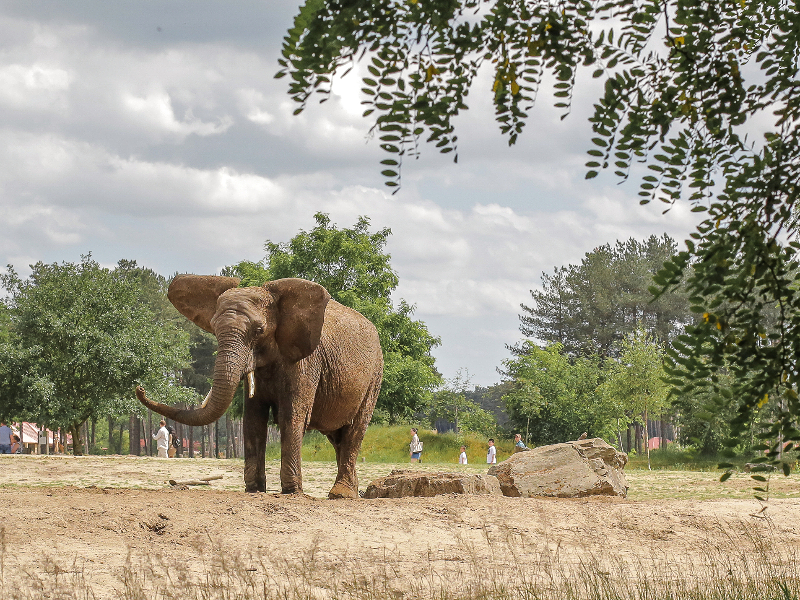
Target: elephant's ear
301,313
195,296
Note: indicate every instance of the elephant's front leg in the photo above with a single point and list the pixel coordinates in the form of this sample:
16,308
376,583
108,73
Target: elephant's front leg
256,421
293,425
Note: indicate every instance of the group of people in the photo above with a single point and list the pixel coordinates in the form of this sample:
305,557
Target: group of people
9,441
415,449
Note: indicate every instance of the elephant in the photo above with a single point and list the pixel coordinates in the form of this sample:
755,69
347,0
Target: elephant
310,361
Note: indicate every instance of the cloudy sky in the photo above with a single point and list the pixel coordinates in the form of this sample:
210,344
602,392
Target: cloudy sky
155,131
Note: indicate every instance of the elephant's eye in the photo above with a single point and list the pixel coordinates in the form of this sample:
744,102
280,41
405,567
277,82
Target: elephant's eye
258,330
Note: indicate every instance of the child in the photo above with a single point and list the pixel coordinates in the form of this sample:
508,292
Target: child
462,458
491,454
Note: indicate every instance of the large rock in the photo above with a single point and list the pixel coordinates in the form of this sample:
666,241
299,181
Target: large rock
402,483
571,470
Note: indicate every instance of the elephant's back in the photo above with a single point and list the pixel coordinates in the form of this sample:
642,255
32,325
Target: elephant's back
346,327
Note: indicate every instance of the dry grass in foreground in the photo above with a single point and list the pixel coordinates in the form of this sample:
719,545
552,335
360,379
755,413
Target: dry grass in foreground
760,571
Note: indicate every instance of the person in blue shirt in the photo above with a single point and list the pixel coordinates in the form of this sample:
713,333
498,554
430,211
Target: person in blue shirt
5,438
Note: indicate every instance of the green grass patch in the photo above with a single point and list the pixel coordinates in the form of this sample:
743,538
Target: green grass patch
389,444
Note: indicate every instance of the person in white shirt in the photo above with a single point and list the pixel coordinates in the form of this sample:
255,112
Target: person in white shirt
162,439
462,458
415,448
491,454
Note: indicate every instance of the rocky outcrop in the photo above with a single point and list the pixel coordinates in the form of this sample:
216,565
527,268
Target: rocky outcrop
402,483
588,467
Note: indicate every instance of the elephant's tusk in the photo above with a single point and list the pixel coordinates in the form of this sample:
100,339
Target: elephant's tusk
203,405
251,384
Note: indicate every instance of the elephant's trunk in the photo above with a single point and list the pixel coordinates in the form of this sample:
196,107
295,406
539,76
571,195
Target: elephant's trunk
228,370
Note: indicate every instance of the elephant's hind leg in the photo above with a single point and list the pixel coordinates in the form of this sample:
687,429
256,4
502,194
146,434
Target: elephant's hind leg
347,442
346,485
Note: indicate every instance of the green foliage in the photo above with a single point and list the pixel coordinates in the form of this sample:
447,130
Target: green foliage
82,339
554,399
684,85
352,265
590,308
703,430
634,383
451,404
5,324
465,414
491,400
202,345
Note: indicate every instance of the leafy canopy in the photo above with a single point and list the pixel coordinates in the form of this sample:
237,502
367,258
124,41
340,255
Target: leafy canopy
554,399
591,307
352,265
705,94
451,404
81,339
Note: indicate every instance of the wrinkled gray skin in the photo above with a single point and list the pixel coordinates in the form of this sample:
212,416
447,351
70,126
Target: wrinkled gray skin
316,365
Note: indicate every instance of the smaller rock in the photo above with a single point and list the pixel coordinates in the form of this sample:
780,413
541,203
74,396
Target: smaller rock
403,483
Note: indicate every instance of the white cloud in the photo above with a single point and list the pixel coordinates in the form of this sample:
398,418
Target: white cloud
185,155
252,104
155,112
35,86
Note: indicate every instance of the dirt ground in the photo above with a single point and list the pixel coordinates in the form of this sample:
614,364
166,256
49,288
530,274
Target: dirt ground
104,518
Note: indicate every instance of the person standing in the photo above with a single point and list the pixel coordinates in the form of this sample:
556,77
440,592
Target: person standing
5,438
491,454
162,439
173,441
415,447
462,458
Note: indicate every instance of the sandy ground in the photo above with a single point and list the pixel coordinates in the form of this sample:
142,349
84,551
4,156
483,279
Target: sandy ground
105,520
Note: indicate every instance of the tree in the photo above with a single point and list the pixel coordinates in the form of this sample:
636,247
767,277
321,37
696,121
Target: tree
635,382
202,345
554,399
352,265
685,85
451,404
591,307
83,339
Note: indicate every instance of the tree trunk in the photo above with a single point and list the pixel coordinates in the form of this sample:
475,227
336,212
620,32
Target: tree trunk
229,439
119,439
86,437
191,441
149,434
133,429
628,438
111,435
216,439
647,439
179,427
77,449
94,440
